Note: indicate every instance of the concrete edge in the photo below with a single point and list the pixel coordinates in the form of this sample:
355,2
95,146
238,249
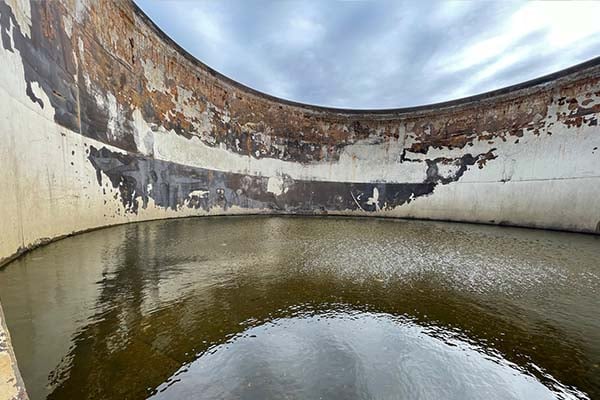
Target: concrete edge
12,386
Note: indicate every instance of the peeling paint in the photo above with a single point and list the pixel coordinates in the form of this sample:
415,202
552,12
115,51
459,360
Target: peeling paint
154,76
163,135
106,121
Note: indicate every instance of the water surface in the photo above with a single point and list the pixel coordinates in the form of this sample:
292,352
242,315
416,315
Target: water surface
307,308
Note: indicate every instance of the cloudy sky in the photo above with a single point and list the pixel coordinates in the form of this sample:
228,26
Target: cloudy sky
378,53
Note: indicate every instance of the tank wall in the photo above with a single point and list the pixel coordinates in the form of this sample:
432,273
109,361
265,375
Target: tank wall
105,120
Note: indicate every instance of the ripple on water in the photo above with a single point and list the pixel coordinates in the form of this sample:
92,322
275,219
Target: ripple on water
308,308
354,355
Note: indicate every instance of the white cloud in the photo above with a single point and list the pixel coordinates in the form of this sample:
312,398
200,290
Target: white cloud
567,22
381,54
303,31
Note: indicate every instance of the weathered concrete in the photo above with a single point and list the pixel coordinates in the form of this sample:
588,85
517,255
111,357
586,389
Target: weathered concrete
11,384
105,120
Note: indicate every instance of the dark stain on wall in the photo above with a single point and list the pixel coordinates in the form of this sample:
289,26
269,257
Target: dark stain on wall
49,63
94,76
139,179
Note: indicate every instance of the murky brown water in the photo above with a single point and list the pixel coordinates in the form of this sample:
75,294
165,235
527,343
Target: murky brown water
307,308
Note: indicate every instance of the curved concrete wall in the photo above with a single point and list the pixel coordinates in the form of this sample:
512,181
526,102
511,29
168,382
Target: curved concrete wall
105,120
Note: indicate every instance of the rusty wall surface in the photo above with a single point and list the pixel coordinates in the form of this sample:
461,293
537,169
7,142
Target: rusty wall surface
105,120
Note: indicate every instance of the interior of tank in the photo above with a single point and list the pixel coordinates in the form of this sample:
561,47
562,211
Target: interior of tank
439,251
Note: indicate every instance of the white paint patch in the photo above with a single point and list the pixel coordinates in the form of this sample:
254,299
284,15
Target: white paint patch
68,23
40,94
374,199
113,114
447,170
82,56
183,102
81,10
275,185
155,76
22,11
142,134
202,194
186,104
226,117
11,66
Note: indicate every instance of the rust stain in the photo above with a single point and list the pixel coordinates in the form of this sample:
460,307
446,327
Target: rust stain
117,41
114,63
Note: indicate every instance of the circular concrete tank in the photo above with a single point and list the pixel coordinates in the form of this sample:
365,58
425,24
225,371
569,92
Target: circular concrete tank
267,307
105,121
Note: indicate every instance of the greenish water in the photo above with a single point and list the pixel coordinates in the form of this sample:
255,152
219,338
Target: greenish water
307,308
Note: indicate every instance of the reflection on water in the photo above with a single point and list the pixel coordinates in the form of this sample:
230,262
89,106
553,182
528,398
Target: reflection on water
259,307
346,355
